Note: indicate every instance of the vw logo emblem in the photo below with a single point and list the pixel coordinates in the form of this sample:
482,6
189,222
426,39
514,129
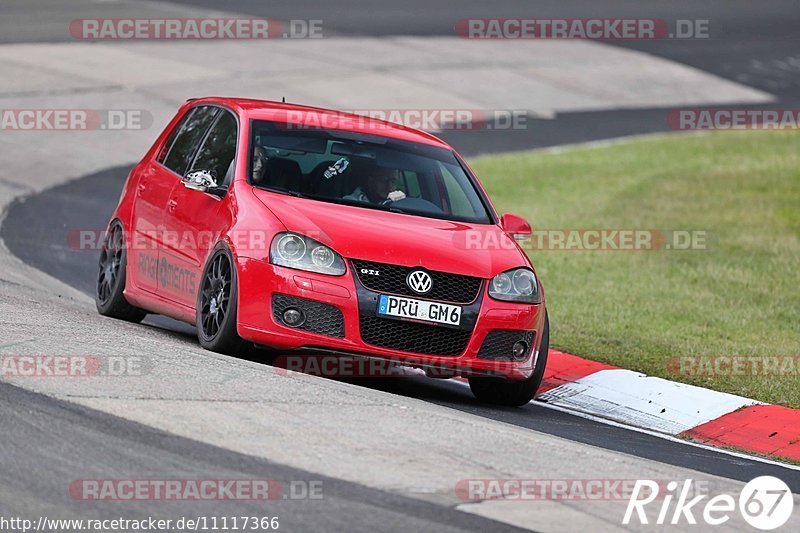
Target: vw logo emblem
419,281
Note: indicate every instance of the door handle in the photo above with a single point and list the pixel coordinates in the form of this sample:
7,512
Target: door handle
141,188
171,205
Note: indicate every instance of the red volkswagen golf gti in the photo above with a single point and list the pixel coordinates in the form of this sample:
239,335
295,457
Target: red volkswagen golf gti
306,230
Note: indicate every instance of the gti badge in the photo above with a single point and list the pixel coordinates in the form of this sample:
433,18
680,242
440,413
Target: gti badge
419,281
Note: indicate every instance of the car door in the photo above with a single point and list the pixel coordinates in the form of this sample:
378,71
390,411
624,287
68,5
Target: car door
197,218
155,183
158,180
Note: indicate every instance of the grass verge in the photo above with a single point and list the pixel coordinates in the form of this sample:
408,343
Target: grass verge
643,309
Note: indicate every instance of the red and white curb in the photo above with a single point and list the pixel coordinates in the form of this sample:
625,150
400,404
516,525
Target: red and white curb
663,406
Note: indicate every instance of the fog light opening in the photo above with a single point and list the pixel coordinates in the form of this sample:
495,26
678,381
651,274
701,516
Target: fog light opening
520,350
293,317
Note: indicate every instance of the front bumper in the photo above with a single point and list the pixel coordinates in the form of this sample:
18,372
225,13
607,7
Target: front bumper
260,282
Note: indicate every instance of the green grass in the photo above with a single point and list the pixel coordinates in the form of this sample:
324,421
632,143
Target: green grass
638,309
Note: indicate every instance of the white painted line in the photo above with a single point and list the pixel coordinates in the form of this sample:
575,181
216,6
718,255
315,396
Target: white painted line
652,433
644,401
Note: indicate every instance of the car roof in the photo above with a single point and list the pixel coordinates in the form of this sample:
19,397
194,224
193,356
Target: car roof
249,108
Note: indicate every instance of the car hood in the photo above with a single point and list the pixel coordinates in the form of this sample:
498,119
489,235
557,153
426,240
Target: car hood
482,250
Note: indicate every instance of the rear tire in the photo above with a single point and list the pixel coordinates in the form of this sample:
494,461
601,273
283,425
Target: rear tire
111,278
513,393
217,303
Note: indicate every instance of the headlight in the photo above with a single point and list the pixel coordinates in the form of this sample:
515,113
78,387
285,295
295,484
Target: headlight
304,253
518,285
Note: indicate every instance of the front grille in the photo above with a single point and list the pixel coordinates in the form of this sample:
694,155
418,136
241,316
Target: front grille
321,318
453,288
499,344
413,337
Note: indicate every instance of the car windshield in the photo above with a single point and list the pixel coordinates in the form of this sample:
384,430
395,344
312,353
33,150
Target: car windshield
363,170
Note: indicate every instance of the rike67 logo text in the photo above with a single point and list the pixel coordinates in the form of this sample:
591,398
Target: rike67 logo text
765,503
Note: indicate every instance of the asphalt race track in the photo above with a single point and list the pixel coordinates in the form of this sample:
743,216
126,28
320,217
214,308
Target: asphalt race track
94,445
51,437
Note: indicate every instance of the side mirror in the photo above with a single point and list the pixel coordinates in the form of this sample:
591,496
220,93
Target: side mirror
516,227
200,180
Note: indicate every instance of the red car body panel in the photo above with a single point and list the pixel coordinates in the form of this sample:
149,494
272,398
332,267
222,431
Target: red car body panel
164,274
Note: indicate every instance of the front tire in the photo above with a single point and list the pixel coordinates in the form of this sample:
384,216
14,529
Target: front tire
217,303
109,290
513,393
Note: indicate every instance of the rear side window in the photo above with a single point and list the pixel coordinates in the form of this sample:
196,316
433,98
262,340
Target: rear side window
219,148
189,135
162,154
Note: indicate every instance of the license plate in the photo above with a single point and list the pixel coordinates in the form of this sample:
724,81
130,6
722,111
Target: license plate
419,310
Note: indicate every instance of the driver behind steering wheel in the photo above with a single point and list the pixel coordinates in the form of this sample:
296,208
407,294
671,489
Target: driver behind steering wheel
381,188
